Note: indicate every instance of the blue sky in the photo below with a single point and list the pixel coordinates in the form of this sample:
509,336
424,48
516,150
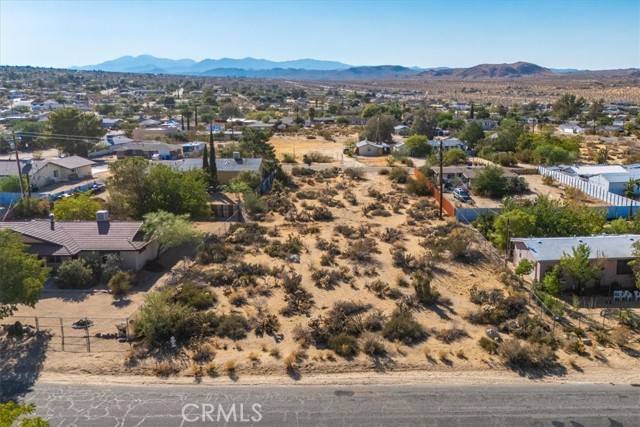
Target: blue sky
594,34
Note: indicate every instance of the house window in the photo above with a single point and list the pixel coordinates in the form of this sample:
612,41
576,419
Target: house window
55,173
623,267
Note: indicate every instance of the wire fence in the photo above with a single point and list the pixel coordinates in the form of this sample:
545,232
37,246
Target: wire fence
94,335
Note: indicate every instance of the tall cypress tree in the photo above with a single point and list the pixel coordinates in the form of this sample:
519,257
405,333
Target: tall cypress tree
205,160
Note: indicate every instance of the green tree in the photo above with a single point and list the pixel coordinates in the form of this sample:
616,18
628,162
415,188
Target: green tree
74,274
490,182
510,224
168,229
73,131
127,186
11,413
454,156
23,274
567,106
524,267
379,128
372,110
471,134
595,112
77,208
635,263
577,270
424,123
205,159
174,191
418,145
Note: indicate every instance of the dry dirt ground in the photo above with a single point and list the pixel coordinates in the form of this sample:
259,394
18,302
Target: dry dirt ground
266,355
299,145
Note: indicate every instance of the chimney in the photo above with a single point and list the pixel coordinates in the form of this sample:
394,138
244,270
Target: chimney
102,216
52,221
237,157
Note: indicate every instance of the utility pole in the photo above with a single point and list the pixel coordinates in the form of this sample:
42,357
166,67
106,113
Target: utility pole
195,107
507,246
15,147
441,180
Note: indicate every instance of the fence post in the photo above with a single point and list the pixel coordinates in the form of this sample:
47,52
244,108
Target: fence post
37,324
62,333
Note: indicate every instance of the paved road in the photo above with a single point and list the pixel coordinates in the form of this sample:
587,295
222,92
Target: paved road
396,405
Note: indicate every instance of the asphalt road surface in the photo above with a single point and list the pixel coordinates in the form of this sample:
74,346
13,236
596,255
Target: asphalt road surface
390,405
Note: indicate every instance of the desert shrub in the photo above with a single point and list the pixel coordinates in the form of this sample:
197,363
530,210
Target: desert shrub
602,337
390,235
160,318
533,329
524,267
265,323
233,325
354,173
374,347
308,194
344,345
254,204
165,369
422,287
237,297
292,246
346,230
195,296
316,157
111,265
450,335
302,171
375,321
524,355
399,174
620,336
321,213
203,353
328,173
418,184
362,250
379,288
246,234
325,278
401,326
489,345
288,158
120,284
212,250
458,243
298,299
376,209
350,197
574,345
505,309
74,274
493,296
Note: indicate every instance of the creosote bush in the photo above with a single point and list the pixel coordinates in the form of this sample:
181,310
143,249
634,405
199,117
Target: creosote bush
403,327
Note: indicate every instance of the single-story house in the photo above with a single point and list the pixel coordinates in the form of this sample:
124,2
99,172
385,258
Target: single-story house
616,182
149,150
228,168
193,148
571,128
55,241
109,123
50,171
447,144
154,132
370,148
611,252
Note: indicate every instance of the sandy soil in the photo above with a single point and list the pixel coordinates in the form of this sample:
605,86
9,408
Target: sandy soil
264,355
301,145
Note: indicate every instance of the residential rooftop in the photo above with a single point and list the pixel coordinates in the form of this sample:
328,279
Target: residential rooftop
601,246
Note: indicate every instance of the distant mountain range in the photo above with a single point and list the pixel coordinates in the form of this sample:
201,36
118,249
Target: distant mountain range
314,69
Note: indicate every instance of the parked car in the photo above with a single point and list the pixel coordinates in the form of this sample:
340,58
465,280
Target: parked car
461,194
97,188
